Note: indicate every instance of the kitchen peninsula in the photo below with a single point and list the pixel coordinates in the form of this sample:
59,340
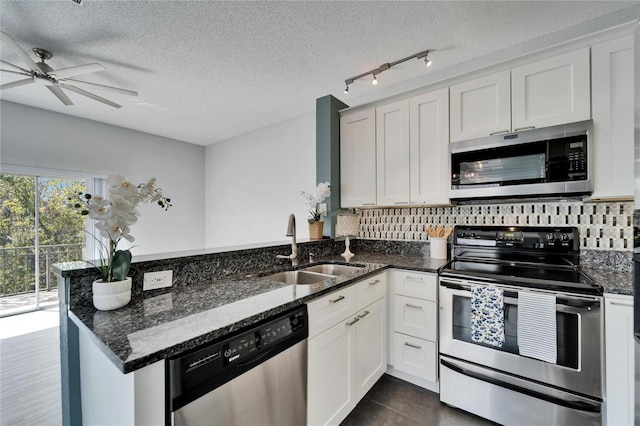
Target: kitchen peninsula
214,293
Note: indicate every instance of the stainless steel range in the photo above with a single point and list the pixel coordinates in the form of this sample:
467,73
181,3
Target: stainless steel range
521,329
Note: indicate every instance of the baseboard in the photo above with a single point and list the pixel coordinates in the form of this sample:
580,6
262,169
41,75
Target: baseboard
431,386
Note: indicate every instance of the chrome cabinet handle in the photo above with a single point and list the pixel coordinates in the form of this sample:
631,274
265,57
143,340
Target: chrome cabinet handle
524,128
401,202
499,132
355,320
618,303
368,204
409,277
336,300
411,345
413,306
374,282
364,314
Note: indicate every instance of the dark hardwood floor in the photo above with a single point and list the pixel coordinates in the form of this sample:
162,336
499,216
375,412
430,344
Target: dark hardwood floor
394,402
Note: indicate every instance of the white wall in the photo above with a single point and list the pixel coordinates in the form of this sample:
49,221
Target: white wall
38,138
253,183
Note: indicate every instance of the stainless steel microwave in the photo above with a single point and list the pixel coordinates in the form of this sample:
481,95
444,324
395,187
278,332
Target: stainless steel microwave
551,161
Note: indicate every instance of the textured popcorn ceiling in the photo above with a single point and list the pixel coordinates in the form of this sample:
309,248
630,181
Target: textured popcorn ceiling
207,71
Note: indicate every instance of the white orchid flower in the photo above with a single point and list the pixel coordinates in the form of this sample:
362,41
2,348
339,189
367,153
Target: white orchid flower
97,201
115,215
99,212
123,187
109,229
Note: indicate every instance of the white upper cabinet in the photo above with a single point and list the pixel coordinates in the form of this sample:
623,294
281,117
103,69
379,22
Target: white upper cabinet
613,122
358,159
429,138
551,91
404,145
481,107
392,151
544,93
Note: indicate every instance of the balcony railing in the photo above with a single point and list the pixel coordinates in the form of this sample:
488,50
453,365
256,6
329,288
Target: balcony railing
18,271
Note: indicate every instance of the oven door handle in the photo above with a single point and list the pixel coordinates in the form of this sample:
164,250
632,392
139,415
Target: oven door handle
579,303
573,404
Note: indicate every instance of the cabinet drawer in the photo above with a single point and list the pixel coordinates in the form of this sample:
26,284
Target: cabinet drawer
331,309
370,290
414,284
415,356
415,317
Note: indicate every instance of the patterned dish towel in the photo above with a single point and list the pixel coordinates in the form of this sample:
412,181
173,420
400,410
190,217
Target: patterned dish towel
487,315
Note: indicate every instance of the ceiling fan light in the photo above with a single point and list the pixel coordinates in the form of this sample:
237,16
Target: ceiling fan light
375,80
346,89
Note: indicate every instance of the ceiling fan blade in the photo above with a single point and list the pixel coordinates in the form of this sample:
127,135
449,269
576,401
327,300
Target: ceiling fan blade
73,71
56,90
15,67
101,87
23,55
17,83
16,72
91,95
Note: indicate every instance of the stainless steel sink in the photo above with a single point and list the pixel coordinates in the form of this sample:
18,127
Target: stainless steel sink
332,269
312,274
299,277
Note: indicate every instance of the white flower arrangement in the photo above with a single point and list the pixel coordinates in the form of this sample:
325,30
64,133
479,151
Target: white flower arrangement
322,191
114,216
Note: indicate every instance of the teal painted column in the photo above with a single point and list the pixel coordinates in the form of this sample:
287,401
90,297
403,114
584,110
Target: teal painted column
328,155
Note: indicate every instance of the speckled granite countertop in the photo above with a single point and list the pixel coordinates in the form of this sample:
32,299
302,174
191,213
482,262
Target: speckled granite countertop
165,324
612,282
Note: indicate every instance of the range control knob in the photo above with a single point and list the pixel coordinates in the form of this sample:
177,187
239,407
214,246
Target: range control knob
551,238
565,237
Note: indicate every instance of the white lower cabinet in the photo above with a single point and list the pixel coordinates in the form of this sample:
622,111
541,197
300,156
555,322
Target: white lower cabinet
619,360
414,356
331,375
414,328
349,355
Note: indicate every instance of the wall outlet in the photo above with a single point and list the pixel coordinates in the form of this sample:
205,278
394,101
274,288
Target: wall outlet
160,279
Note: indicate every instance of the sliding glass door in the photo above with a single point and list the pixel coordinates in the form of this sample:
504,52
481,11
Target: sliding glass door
37,229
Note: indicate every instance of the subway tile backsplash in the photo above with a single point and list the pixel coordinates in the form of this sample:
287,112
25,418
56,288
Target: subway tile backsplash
603,225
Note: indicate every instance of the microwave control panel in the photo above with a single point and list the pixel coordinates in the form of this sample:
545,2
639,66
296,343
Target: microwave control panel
577,159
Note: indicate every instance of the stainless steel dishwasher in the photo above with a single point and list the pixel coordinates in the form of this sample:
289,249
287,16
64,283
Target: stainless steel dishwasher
258,376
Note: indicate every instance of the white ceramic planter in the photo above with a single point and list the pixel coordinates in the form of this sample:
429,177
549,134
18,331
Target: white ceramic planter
112,295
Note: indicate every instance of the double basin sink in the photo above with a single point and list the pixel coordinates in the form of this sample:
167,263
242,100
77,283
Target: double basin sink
313,274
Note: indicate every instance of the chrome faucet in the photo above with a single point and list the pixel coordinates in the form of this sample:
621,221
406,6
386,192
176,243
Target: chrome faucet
291,232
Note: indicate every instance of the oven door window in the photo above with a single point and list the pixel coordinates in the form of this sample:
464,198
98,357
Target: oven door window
567,330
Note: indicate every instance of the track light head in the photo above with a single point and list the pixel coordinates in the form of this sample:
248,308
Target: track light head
385,67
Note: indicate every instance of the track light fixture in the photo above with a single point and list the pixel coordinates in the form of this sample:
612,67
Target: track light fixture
386,66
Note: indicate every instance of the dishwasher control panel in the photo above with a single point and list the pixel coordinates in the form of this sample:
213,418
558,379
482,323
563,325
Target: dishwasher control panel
264,337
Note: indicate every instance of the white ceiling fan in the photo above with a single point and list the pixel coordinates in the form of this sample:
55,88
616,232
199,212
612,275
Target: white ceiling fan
56,80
